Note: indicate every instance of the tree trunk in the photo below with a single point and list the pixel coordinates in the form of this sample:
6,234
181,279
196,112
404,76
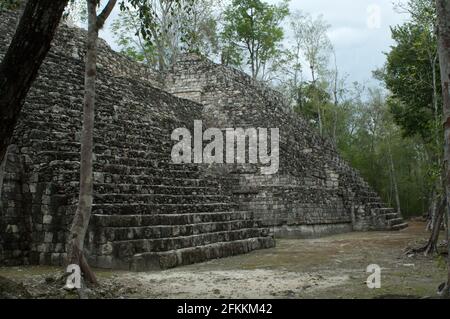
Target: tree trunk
443,13
28,48
316,100
435,103
83,214
319,112
431,246
432,211
336,99
394,179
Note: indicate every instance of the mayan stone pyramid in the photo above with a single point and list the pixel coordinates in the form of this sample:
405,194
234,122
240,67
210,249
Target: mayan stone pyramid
150,213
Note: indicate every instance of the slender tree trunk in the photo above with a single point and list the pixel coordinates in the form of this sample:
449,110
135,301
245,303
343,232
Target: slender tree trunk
431,247
252,47
319,113
336,100
432,209
435,103
83,214
252,58
443,12
394,179
316,99
19,68
335,119
161,57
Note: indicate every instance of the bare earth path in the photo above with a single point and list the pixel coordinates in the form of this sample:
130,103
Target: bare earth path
331,267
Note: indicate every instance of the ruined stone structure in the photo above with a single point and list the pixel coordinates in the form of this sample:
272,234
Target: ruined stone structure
315,191
148,212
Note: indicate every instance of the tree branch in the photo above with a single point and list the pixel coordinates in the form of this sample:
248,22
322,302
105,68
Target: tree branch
105,13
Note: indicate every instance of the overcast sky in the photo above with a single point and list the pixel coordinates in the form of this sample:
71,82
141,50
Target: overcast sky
359,31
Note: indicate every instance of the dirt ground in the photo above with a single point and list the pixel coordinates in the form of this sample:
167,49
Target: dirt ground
331,267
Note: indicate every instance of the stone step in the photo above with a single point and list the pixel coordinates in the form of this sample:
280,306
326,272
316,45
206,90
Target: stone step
148,209
109,234
155,200
175,179
60,130
128,248
133,126
50,156
168,219
169,170
276,188
390,216
170,259
164,148
105,188
118,136
368,193
376,205
158,199
105,154
187,256
399,226
101,178
142,162
100,148
120,163
371,199
106,110
58,166
131,152
386,210
395,221
156,130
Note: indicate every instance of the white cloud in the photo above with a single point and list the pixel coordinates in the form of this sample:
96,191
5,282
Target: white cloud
347,36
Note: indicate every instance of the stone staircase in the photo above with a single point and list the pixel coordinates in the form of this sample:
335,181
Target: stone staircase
375,208
168,214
